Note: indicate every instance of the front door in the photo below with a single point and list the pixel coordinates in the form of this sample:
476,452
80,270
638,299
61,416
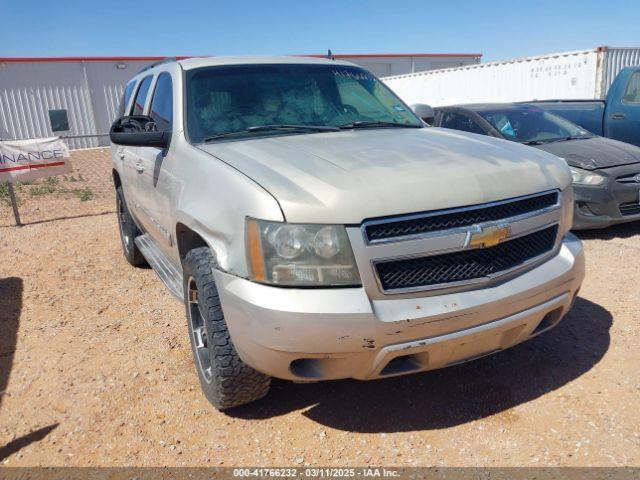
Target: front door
154,182
623,113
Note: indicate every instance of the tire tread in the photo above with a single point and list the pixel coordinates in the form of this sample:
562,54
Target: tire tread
234,383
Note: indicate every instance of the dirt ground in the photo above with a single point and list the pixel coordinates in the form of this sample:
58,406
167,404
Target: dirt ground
96,370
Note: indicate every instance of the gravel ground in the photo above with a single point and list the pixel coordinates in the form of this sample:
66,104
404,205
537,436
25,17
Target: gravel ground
96,370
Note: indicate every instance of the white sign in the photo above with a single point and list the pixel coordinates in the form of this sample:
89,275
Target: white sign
25,160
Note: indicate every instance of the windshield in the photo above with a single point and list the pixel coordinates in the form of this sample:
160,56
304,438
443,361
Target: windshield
530,124
236,98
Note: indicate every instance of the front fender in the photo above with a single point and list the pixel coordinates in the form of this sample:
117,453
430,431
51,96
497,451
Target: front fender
214,200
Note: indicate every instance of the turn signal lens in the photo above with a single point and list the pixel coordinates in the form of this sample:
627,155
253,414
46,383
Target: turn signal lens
254,249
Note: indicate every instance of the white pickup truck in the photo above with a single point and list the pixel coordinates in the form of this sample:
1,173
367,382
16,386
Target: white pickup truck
316,229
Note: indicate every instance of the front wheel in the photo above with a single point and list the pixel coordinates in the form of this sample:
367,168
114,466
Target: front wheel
225,379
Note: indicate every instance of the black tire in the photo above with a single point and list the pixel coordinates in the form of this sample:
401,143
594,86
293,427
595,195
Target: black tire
225,379
128,232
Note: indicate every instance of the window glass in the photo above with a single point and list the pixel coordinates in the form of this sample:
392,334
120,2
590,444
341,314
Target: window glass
124,100
59,120
632,93
531,124
457,121
235,98
141,96
448,120
162,103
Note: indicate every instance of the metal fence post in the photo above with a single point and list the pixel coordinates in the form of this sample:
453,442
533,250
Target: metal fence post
14,204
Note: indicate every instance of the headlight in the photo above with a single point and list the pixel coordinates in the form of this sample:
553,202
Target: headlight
300,255
583,177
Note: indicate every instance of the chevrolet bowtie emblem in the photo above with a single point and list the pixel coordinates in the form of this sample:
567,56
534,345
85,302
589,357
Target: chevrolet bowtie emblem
489,236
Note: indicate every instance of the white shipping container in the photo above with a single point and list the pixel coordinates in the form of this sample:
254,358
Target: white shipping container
585,74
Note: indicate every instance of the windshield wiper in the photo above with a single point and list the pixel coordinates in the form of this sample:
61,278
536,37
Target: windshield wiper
286,126
573,137
268,128
374,123
560,139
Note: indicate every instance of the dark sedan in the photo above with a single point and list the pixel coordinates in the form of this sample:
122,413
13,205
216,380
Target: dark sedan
606,173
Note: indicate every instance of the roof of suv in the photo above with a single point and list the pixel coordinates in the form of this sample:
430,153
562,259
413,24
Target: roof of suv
190,63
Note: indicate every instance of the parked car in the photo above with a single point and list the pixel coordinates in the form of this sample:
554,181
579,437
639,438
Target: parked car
315,229
606,173
616,117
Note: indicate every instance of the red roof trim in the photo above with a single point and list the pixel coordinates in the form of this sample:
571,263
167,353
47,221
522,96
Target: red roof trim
84,59
152,59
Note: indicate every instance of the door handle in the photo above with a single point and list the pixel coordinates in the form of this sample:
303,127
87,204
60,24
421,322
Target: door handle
122,156
619,116
139,167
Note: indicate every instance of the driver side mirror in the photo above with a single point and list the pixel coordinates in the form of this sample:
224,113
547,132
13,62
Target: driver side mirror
425,112
138,131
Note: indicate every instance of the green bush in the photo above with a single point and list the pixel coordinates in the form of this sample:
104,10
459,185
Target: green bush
84,194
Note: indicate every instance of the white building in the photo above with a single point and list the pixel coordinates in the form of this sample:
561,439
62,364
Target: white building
78,96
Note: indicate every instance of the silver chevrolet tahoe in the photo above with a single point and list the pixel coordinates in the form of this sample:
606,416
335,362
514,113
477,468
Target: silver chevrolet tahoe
316,229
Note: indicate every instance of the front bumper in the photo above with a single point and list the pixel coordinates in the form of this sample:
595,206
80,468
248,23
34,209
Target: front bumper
608,204
323,334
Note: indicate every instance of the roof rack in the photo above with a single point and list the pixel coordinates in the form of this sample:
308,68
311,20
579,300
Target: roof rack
160,62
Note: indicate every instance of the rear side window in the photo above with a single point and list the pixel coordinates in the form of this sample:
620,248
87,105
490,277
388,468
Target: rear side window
124,101
632,93
162,103
141,96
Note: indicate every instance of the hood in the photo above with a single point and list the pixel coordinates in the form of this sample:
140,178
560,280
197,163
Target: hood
593,153
346,177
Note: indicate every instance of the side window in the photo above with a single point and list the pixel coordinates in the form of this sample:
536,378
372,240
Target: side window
124,101
141,96
632,93
448,120
437,119
162,103
457,121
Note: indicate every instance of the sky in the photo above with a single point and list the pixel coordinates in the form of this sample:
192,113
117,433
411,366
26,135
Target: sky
498,29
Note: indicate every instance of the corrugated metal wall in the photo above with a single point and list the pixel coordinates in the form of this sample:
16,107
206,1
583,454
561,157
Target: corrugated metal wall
89,91
584,74
566,75
27,93
615,59
385,66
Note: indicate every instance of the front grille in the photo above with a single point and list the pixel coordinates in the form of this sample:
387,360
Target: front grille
465,265
446,220
630,208
635,178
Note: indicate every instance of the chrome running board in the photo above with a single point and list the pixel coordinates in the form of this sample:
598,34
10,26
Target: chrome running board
161,264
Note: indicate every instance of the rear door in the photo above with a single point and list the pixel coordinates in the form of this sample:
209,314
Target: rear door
623,109
121,152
